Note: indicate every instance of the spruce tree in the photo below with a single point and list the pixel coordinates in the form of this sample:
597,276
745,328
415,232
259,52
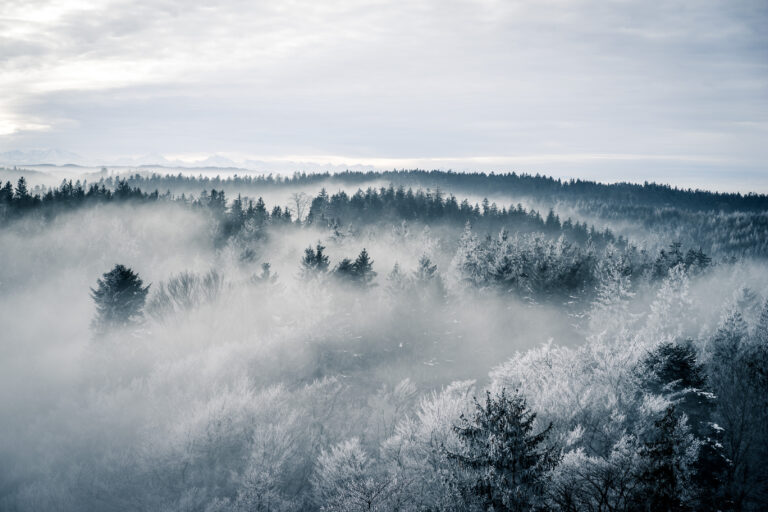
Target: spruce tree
314,261
345,270
669,464
363,268
507,460
119,295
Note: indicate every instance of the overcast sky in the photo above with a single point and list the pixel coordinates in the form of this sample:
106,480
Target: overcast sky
674,90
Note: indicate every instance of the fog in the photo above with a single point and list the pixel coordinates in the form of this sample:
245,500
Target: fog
234,393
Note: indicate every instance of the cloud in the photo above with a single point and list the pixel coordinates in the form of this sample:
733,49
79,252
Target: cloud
386,79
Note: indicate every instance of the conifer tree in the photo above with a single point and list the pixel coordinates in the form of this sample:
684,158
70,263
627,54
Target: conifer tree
6,193
345,270
363,268
670,453
314,261
509,462
119,295
22,198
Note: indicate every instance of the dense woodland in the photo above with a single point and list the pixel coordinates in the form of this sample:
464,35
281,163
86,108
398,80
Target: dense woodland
724,223
405,340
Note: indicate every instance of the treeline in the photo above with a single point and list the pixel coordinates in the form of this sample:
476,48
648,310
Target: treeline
248,218
19,201
537,268
742,233
393,205
728,224
484,184
722,234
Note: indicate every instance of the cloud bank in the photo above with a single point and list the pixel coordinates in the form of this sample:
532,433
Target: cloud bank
621,89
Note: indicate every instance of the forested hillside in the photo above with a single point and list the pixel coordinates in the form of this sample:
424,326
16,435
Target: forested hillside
402,340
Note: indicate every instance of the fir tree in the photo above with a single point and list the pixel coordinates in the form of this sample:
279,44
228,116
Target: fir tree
670,452
314,261
345,270
509,462
119,296
363,267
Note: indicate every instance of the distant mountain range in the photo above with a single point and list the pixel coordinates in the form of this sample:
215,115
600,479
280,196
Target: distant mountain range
59,157
40,156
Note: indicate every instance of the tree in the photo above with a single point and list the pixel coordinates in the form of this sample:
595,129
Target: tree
428,280
364,269
6,193
266,276
552,223
426,271
22,196
670,453
359,272
119,296
345,270
301,201
738,372
508,461
314,261
347,480
396,280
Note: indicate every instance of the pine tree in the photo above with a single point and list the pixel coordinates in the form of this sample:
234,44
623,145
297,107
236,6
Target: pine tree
552,223
266,276
670,452
119,296
396,280
314,262
345,270
426,271
6,193
22,197
363,268
761,328
428,280
260,212
507,460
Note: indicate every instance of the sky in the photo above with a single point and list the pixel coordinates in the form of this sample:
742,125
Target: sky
674,91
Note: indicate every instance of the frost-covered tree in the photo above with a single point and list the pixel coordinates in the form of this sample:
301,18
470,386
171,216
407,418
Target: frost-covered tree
738,372
183,293
610,316
668,319
346,480
467,262
508,462
119,295
428,280
669,454
397,281
418,452
760,333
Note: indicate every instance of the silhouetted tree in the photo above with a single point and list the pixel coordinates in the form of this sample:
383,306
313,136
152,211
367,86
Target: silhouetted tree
119,296
314,261
667,472
363,267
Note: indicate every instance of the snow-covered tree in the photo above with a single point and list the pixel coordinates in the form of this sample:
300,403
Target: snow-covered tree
508,463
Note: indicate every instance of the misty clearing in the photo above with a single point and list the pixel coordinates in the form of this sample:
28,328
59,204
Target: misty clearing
390,341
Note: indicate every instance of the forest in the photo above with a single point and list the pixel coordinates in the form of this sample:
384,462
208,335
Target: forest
394,341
